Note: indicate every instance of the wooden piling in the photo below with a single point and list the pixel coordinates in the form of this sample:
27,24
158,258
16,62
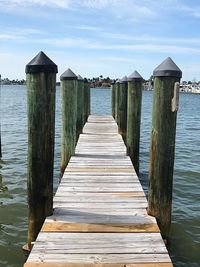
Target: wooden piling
0,124
69,116
166,77
122,108
86,100
134,104
41,86
113,98
80,106
117,87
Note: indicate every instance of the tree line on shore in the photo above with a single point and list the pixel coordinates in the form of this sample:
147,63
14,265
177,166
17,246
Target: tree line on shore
94,82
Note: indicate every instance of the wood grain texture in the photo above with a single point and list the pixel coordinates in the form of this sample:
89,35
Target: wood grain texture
56,264
69,118
80,108
162,151
133,121
100,216
122,113
41,131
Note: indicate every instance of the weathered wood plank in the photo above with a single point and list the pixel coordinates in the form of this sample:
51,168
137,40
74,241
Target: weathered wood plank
101,243
95,228
83,205
102,198
56,264
100,217
104,211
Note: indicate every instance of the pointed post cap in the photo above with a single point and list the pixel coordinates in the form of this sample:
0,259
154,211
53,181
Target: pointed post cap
118,81
124,79
135,76
86,80
167,68
41,63
68,75
79,78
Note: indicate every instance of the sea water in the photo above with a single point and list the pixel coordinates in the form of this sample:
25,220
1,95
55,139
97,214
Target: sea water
185,235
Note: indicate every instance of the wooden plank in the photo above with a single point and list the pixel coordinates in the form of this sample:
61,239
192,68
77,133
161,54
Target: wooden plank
98,210
96,179
100,243
57,264
99,189
101,198
109,170
100,217
83,205
56,226
67,184
92,259
113,174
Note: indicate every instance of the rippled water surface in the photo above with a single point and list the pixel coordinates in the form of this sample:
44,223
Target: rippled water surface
185,237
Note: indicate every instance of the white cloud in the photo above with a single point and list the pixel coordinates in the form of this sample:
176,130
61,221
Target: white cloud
27,3
142,46
131,8
87,28
6,37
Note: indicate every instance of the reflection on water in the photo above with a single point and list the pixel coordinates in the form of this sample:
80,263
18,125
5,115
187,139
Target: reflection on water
3,188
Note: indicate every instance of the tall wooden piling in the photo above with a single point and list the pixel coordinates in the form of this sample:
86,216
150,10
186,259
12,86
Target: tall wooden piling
69,116
86,105
41,86
117,88
166,78
113,97
80,106
134,104
122,108
0,123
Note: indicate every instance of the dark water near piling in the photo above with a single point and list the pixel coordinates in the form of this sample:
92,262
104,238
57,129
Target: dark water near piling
185,240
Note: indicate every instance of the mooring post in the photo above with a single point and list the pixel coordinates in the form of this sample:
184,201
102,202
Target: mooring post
165,105
0,123
80,106
113,98
41,88
134,104
86,100
69,116
122,108
117,87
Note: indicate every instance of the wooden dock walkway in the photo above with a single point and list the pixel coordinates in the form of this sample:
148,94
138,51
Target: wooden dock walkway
100,217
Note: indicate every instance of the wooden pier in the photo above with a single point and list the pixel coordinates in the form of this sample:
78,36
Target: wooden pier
100,217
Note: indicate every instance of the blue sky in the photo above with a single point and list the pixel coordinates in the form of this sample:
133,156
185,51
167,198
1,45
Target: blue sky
100,37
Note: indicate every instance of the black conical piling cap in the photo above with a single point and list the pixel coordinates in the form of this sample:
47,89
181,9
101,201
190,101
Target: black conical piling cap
68,75
135,76
79,78
167,68
85,80
118,81
124,79
41,63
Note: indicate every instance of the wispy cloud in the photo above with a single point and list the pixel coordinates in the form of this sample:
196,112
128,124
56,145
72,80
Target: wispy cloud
22,34
152,39
6,37
84,43
87,28
27,3
192,11
130,8
123,42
